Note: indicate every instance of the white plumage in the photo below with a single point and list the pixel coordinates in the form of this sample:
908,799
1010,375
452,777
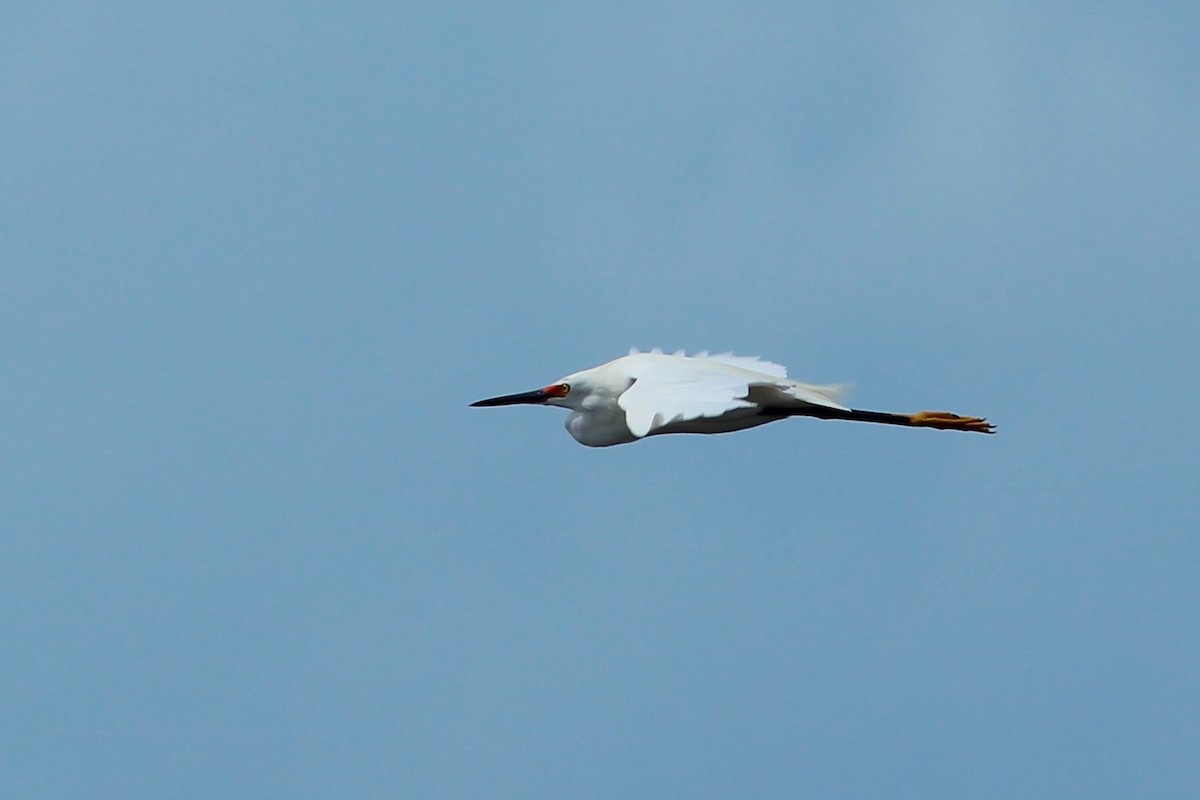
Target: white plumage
643,394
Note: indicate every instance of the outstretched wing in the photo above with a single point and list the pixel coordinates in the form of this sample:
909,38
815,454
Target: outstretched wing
676,390
679,388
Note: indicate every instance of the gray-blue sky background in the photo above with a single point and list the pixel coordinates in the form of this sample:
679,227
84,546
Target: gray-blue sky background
257,261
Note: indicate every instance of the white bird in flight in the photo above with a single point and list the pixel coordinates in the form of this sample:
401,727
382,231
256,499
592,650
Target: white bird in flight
645,394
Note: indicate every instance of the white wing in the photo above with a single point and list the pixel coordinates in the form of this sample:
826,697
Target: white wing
679,389
669,389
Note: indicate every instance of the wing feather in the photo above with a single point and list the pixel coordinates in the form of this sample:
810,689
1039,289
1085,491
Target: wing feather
678,388
675,391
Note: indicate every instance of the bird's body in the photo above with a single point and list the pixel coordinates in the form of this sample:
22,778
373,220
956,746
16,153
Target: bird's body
645,394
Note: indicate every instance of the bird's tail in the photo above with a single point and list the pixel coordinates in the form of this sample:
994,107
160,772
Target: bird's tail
837,392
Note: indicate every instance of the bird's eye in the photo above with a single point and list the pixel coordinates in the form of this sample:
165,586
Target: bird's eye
565,388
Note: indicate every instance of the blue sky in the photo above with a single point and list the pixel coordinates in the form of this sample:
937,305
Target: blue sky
257,262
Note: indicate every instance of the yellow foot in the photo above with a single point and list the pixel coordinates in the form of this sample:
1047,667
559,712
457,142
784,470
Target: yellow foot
950,422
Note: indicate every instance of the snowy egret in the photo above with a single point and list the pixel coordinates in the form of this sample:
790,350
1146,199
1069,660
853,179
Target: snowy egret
644,394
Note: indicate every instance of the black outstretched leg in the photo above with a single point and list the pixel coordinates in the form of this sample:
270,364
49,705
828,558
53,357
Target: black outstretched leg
943,420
